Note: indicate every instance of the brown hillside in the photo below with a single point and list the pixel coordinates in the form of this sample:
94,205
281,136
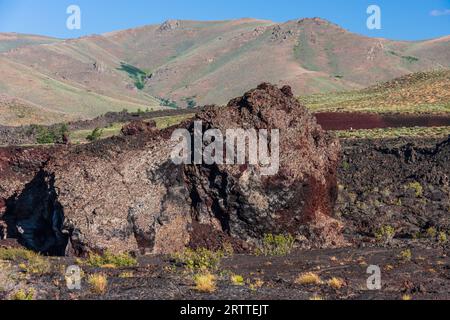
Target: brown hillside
200,63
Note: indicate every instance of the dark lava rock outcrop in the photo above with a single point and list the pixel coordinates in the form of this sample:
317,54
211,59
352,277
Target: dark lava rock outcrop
299,199
138,126
18,166
126,194
402,183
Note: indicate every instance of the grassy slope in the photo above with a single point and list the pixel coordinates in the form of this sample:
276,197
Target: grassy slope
18,112
80,136
431,132
62,100
62,80
216,61
248,50
11,41
415,93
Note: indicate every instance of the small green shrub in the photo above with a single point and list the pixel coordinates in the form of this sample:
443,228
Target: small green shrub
442,238
95,135
385,234
23,295
228,249
200,259
345,165
45,136
406,255
62,130
276,245
122,260
48,135
237,280
191,103
168,103
431,232
393,53
417,187
410,59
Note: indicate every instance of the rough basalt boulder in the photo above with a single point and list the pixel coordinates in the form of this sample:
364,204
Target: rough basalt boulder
298,200
121,194
126,194
18,166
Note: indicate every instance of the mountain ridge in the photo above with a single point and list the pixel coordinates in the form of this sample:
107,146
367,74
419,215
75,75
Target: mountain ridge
187,63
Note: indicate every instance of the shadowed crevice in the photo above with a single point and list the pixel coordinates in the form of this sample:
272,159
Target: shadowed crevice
36,219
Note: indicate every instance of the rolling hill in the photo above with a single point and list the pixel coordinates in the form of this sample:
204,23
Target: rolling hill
421,92
11,41
187,63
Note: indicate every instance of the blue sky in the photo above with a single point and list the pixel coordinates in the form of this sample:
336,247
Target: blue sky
401,19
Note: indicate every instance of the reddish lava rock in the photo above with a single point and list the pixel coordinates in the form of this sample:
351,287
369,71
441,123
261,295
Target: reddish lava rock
298,200
2,206
137,127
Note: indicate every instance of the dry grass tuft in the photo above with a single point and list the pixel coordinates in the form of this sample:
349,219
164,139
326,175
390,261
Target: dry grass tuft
98,283
29,261
205,283
309,278
336,283
126,275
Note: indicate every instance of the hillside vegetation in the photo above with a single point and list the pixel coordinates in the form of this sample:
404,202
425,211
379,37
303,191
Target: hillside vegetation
423,92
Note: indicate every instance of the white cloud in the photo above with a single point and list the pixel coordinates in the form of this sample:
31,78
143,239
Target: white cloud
437,13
